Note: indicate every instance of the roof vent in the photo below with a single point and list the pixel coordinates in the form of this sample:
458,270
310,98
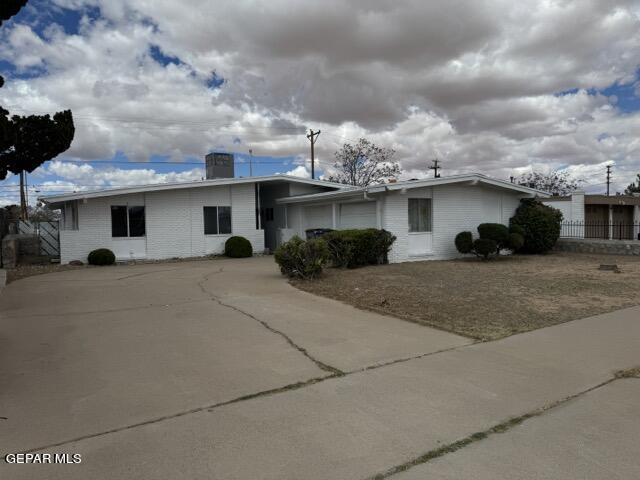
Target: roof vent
220,165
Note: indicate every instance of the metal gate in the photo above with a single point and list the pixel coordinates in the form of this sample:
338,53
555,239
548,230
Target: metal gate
48,233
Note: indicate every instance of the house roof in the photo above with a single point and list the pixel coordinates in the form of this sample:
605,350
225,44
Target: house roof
65,197
470,178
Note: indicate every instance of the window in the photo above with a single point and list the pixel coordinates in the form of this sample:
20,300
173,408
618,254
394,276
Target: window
119,221
70,216
127,221
217,220
136,222
419,215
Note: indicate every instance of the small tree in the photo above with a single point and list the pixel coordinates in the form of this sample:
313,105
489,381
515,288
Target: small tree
633,187
556,183
28,142
364,164
539,223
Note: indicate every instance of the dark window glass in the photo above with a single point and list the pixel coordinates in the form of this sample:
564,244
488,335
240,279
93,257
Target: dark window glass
210,220
224,219
419,215
136,222
118,221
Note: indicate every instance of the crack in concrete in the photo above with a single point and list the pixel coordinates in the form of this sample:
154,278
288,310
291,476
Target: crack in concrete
321,365
209,408
478,436
146,273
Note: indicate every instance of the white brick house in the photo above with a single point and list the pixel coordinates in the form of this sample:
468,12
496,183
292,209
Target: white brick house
424,215
196,218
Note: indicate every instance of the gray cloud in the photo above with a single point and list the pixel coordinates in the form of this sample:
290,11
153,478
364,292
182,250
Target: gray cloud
472,82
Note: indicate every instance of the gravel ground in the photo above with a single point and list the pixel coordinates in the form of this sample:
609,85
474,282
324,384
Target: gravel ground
488,300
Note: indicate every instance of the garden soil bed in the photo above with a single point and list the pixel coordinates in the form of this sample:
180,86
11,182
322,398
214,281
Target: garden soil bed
488,300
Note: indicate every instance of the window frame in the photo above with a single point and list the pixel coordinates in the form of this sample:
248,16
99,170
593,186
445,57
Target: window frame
218,212
429,219
127,208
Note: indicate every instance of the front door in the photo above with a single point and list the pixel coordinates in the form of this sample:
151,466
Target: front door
420,227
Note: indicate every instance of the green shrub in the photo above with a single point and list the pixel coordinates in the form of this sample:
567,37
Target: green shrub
516,241
464,242
516,229
101,256
238,247
355,248
539,223
483,247
302,259
495,231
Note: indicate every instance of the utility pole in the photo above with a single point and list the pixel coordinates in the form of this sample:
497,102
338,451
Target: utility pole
23,196
608,178
250,162
435,168
313,136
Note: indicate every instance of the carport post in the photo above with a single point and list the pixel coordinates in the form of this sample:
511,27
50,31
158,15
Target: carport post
334,215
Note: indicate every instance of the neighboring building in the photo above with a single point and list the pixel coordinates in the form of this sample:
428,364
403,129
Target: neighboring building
598,216
196,218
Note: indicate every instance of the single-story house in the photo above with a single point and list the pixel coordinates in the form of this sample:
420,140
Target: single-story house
614,217
196,218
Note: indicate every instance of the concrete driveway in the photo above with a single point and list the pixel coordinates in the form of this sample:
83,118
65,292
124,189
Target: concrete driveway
220,369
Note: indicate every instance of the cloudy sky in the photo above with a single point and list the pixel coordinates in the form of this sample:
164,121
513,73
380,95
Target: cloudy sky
498,87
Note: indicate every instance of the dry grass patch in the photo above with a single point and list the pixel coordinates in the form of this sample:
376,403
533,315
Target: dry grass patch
488,300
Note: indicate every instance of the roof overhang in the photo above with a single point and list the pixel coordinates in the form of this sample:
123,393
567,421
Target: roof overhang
83,195
469,179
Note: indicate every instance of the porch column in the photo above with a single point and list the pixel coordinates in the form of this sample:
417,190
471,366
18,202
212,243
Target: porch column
334,215
378,214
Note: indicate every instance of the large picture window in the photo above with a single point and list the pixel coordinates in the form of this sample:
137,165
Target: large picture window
419,215
127,221
217,220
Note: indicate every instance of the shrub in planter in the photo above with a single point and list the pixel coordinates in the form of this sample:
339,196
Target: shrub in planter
355,248
539,223
483,247
101,256
238,247
302,259
464,242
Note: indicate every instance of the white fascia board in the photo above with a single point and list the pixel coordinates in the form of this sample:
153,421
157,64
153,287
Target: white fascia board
54,199
471,178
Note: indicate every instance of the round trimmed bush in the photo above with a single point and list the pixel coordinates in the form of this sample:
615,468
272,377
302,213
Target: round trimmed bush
101,256
238,247
540,223
484,247
516,241
464,242
497,232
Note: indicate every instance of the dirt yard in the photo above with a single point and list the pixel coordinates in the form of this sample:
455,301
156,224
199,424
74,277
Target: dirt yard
488,300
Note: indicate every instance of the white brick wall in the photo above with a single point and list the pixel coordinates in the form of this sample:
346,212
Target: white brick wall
455,208
174,224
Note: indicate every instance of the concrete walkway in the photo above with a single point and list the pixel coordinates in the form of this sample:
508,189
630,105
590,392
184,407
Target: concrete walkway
356,395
